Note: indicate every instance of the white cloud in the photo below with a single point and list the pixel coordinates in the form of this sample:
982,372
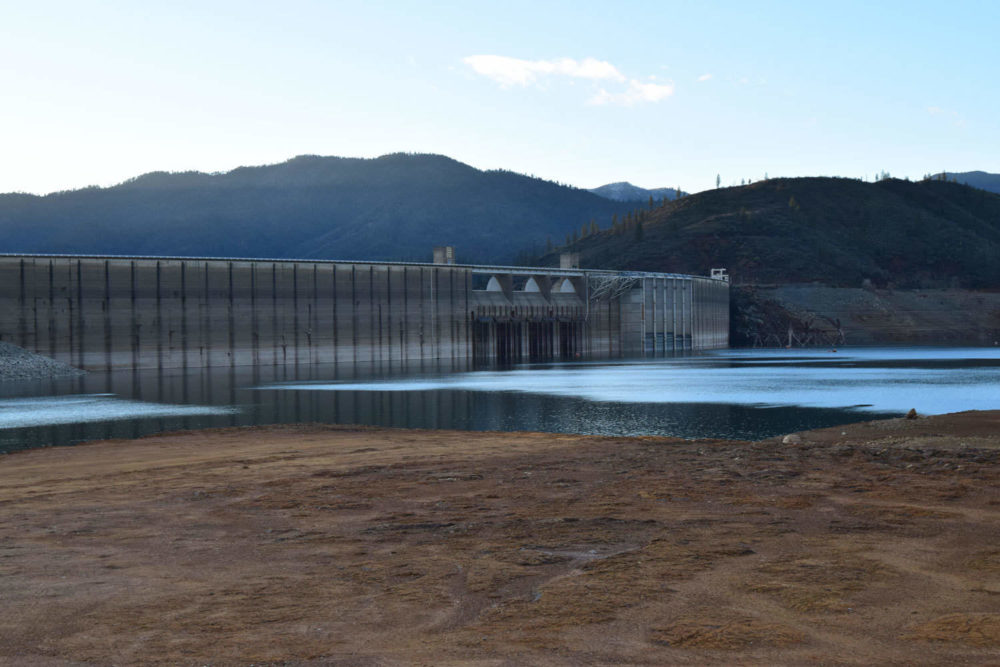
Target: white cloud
517,72
636,93
704,77
615,88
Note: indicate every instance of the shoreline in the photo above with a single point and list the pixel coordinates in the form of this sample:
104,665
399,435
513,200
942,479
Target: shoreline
311,544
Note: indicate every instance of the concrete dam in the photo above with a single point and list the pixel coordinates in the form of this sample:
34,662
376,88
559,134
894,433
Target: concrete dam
106,313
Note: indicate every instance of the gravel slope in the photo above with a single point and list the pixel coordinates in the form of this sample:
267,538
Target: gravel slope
880,317
18,364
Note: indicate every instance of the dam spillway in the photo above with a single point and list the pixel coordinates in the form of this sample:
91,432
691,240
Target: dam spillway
106,313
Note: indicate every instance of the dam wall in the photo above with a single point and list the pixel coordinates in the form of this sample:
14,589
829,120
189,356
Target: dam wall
151,312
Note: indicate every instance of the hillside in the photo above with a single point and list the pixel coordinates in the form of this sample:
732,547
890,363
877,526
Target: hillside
834,316
624,191
393,207
977,179
838,232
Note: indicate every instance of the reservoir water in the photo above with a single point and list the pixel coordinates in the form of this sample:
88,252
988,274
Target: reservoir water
741,394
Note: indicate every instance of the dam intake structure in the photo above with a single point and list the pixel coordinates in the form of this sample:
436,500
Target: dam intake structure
107,313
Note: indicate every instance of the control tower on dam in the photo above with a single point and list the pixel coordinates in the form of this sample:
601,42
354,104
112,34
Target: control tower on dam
104,313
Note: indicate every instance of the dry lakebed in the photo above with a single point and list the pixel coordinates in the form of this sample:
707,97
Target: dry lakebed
873,543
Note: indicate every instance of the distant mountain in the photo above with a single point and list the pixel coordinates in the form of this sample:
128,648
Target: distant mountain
837,232
395,207
977,179
627,192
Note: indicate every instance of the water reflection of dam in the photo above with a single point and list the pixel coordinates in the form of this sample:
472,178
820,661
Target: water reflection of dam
154,312
129,404
100,394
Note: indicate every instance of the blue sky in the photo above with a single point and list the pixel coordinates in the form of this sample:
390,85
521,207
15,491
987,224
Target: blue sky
656,93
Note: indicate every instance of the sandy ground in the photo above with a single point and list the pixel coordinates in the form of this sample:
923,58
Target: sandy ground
877,543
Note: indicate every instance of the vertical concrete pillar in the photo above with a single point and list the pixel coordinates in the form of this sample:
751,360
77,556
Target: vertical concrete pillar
13,324
412,299
119,310
243,324
322,327
51,310
213,304
352,312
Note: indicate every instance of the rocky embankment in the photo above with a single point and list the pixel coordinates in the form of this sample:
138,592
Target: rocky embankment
18,364
819,315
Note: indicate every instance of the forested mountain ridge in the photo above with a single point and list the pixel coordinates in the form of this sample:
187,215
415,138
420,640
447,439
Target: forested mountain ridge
624,191
977,179
838,232
395,207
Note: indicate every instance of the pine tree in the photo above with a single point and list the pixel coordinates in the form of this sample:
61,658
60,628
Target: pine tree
638,231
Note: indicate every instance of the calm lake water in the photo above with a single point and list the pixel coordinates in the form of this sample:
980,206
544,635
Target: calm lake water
743,394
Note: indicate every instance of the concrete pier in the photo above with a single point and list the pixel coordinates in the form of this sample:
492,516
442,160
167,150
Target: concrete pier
162,312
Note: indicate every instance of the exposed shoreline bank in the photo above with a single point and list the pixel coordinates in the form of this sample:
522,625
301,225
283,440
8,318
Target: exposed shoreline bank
872,542
821,316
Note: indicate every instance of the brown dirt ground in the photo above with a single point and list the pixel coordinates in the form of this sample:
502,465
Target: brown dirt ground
876,543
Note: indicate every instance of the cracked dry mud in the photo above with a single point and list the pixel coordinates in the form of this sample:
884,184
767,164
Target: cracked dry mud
871,543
